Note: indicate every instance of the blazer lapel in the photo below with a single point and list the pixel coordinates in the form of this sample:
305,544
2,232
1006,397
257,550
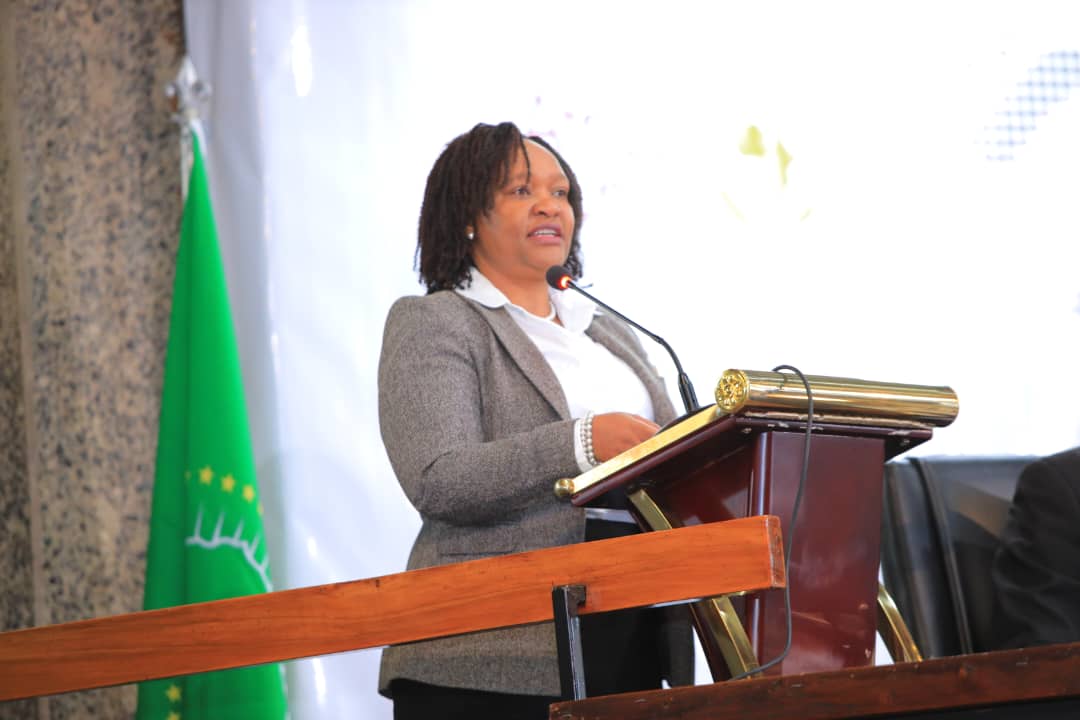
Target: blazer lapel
533,365
654,385
526,355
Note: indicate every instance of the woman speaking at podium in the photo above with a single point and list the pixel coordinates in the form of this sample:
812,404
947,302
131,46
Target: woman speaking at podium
493,386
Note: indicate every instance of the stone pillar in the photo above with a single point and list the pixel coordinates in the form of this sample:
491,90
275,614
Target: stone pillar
89,221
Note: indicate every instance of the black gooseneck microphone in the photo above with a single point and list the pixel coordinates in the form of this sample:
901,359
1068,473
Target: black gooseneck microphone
559,278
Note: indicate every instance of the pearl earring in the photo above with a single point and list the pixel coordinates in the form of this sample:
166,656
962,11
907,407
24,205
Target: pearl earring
470,234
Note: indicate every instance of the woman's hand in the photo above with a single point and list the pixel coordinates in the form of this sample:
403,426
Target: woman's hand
614,433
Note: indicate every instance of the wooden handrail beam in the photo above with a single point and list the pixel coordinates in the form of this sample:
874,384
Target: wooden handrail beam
656,567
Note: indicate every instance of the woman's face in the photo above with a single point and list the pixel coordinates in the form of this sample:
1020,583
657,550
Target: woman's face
530,225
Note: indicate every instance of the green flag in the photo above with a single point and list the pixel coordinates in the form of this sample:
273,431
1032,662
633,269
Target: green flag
206,534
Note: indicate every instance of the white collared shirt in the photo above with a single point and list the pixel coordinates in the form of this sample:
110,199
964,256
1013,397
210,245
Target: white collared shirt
592,378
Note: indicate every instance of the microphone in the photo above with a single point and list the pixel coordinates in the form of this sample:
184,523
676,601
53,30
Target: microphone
559,278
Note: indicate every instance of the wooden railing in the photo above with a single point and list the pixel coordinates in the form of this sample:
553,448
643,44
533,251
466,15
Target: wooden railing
656,567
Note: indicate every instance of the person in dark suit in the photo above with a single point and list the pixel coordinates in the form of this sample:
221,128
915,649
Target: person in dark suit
1036,569
492,386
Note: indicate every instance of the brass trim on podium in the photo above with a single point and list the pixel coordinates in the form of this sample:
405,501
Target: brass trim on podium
781,397
715,615
894,631
566,487
650,512
742,390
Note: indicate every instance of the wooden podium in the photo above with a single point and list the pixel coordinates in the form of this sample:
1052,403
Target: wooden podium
744,457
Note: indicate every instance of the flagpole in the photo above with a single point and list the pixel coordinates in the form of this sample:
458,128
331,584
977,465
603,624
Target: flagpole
189,96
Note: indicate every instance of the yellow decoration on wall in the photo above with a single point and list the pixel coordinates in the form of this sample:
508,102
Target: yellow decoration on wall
758,190
752,142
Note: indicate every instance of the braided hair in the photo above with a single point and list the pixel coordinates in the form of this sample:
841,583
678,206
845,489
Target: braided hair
460,187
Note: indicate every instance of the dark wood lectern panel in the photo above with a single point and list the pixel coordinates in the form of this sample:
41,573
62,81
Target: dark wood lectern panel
834,558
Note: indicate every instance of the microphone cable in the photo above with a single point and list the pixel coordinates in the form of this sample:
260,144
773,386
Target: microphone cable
791,529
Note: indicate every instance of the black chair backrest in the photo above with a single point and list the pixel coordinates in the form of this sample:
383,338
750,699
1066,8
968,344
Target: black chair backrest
942,522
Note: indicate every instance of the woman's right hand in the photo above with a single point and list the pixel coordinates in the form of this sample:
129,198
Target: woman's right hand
617,432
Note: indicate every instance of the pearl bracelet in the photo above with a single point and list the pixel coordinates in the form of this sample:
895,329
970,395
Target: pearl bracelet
586,439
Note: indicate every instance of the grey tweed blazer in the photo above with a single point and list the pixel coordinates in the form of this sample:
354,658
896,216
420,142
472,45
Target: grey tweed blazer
477,429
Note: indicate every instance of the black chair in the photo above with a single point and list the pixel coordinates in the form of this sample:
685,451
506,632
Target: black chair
943,518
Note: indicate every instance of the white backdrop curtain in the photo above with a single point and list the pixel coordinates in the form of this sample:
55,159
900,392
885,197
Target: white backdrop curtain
898,244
